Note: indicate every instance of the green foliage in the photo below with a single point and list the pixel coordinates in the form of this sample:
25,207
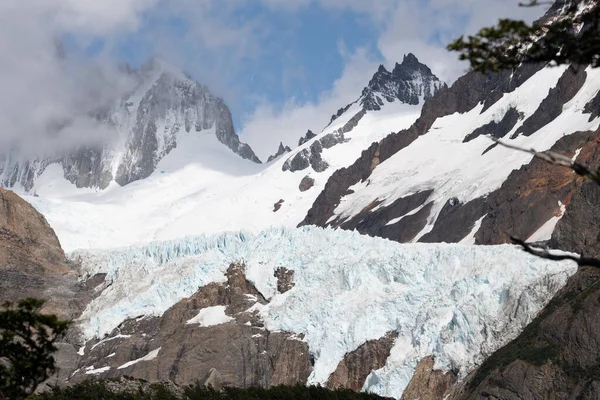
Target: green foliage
27,341
574,37
90,390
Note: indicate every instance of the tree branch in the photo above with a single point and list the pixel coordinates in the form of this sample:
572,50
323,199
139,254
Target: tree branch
554,158
544,253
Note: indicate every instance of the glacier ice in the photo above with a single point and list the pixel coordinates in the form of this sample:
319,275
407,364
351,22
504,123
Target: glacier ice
455,302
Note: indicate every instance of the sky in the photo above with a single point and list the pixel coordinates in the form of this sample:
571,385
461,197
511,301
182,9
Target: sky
282,66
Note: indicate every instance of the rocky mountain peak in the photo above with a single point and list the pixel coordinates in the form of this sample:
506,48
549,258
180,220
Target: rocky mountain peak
147,120
410,82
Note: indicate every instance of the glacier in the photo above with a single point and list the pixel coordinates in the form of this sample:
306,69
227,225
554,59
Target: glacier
456,302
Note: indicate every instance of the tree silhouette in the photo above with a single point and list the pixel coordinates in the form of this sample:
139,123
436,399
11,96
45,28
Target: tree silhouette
27,341
570,37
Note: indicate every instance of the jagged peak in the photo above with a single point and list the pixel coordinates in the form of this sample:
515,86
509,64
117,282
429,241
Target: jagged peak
410,58
382,69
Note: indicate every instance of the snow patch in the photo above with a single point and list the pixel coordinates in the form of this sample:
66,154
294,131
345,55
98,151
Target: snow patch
148,357
470,238
211,316
92,371
545,231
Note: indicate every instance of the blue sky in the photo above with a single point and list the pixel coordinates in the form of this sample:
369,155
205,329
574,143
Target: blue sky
300,53
282,66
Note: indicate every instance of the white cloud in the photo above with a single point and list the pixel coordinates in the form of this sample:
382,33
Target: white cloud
42,91
423,27
270,124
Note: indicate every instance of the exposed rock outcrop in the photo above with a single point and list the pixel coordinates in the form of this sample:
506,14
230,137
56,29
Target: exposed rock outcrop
285,279
309,135
552,106
178,348
32,263
145,124
280,151
278,205
356,366
429,384
310,157
306,183
409,82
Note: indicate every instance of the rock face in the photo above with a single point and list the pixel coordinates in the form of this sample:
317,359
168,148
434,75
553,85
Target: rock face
311,156
32,263
145,124
410,82
235,350
356,366
556,357
428,384
462,96
309,135
306,183
280,151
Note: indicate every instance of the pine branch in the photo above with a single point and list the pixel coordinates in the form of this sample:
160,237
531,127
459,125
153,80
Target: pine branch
544,253
554,158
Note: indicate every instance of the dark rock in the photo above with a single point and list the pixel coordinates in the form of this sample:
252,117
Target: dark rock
299,162
339,113
280,151
278,205
376,223
306,183
331,139
316,162
309,135
356,366
551,107
352,122
497,129
241,351
407,82
529,197
285,279
307,157
455,221
593,107
32,263
429,384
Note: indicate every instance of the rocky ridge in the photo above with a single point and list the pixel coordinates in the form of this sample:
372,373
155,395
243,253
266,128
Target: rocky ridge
410,82
145,123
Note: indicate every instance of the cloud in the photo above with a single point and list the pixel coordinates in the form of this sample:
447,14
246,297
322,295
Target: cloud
270,123
423,27
426,27
219,43
46,96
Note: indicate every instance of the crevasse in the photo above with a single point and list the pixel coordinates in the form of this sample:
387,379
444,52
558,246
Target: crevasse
455,302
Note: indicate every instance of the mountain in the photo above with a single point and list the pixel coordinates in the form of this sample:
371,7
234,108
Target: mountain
443,180
145,124
410,83
222,278
202,187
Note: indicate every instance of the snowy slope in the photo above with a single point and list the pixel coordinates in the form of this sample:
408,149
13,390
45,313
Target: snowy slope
200,187
456,302
454,169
